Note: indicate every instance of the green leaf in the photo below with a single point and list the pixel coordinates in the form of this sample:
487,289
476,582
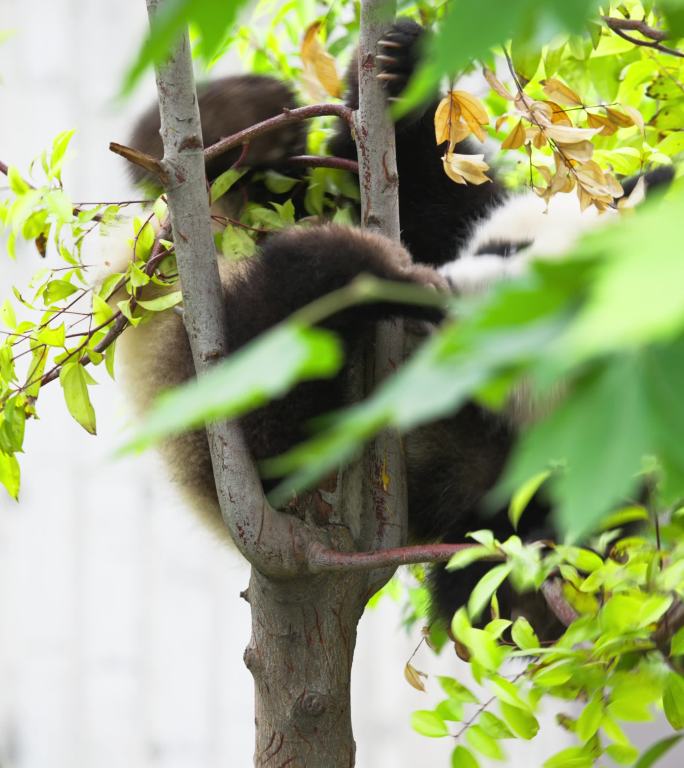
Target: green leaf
39,358
52,337
522,722
590,718
236,243
57,202
278,183
213,19
164,302
494,726
224,182
554,674
672,144
623,517
677,644
622,754
463,758
466,556
10,475
483,648
659,749
572,757
457,691
673,700
428,723
450,710
266,368
7,315
526,57
16,183
523,635
507,692
56,290
74,381
482,742
522,497
59,147
582,559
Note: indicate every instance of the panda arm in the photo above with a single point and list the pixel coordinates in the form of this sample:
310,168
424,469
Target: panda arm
228,105
436,214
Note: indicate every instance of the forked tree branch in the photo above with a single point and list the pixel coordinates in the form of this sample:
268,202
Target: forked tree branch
270,540
654,37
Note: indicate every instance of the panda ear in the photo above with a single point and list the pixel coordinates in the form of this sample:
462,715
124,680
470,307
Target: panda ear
658,179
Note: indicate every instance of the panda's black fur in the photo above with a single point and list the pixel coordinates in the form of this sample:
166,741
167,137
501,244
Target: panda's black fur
452,463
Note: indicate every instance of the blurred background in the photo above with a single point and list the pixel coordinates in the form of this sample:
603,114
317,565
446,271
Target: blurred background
121,627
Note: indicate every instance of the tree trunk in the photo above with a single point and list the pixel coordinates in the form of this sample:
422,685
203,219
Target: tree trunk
303,622
300,655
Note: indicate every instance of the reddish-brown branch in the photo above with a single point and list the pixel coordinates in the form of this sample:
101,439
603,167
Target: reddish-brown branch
321,161
266,126
552,590
322,559
654,37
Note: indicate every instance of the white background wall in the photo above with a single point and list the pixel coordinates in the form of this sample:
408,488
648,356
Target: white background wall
121,629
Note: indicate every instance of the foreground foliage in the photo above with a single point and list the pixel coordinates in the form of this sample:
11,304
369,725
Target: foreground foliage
573,105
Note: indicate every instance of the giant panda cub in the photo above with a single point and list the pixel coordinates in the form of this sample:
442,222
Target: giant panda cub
456,238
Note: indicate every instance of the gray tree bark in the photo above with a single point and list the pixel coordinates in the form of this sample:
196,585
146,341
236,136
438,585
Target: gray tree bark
303,621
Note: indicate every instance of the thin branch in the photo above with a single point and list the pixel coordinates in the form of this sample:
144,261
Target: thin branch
321,161
266,126
141,159
552,590
321,558
654,37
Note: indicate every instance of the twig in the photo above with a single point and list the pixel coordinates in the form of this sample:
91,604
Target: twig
142,159
654,36
321,161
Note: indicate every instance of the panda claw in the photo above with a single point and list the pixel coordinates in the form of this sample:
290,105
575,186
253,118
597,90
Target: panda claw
389,44
389,76
387,59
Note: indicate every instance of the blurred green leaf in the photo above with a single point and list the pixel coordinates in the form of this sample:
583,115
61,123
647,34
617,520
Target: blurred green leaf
266,368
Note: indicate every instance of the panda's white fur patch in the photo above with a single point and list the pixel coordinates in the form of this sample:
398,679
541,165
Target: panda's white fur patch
525,218
541,233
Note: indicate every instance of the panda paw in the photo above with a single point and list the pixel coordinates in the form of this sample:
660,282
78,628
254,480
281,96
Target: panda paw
398,55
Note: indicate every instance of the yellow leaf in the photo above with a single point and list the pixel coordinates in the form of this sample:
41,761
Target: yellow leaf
500,121
448,124
495,84
607,127
466,169
565,135
617,117
318,63
558,115
536,136
636,116
584,198
472,112
580,151
560,92
413,677
516,138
